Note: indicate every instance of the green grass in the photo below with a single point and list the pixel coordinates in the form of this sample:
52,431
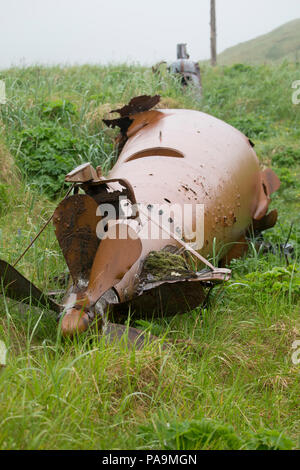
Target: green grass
281,44
227,380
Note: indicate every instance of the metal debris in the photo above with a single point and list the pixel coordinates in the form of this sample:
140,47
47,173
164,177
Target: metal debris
169,160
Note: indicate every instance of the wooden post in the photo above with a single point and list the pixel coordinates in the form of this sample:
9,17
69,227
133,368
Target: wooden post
213,33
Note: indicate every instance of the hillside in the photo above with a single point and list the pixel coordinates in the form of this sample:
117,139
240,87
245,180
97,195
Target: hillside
282,43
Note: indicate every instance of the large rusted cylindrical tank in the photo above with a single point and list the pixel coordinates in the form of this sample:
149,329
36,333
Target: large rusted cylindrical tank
171,161
169,157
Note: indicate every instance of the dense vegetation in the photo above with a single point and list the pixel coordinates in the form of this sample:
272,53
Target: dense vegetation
282,43
230,382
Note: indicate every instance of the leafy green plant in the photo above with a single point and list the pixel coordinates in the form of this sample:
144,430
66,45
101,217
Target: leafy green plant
288,157
252,126
46,153
192,435
58,109
287,178
277,280
266,439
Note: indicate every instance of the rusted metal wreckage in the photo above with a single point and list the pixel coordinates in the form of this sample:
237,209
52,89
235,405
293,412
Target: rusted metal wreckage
185,68
169,159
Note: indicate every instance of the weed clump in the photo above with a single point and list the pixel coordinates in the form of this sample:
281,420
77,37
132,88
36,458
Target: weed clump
58,109
252,126
267,439
288,179
8,170
288,157
207,433
274,281
46,153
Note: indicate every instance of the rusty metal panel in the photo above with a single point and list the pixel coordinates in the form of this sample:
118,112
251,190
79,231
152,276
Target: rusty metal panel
75,222
16,286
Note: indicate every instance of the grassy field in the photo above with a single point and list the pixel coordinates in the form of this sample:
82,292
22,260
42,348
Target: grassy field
282,43
231,384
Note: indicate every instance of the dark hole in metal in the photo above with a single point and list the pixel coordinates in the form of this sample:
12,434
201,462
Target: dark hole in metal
265,189
156,152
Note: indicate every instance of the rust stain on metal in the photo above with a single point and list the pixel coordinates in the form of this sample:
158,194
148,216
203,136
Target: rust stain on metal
168,158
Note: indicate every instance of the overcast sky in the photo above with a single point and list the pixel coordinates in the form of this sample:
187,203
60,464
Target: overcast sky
99,31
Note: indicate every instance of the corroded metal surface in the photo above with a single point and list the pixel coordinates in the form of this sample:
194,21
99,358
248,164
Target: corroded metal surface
75,222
